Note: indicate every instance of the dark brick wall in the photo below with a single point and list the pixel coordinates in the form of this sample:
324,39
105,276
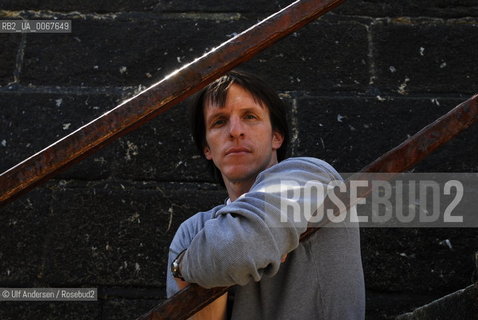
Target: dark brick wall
359,81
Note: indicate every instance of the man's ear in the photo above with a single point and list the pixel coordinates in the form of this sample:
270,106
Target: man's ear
207,153
277,139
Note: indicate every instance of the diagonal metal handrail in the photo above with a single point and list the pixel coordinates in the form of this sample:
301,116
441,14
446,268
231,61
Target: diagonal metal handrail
193,298
158,98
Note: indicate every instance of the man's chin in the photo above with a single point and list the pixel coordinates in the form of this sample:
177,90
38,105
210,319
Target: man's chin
238,174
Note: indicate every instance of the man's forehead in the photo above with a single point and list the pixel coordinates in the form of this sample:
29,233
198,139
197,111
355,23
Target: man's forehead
215,102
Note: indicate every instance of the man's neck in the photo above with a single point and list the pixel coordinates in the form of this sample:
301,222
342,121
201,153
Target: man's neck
235,189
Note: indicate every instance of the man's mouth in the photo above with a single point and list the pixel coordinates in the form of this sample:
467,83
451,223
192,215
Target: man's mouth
237,150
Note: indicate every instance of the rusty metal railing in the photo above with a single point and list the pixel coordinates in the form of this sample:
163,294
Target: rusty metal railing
158,98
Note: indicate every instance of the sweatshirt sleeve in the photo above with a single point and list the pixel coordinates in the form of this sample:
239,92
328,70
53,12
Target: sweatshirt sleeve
181,241
248,237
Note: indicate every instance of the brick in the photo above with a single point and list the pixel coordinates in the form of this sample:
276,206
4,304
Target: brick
222,6
24,231
326,55
161,150
425,56
433,8
83,6
414,260
147,5
335,128
31,121
425,8
9,44
118,233
100,52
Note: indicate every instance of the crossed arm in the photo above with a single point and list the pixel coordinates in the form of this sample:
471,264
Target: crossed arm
216,310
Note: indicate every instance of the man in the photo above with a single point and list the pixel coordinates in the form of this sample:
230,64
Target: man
252,241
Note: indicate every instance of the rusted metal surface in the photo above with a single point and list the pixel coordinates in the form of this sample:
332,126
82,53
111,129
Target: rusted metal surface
193,298
160,97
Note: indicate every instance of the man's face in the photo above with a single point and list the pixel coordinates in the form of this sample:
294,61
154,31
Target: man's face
239,136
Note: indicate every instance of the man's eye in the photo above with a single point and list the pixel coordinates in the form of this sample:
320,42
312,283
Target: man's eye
218,122
251,116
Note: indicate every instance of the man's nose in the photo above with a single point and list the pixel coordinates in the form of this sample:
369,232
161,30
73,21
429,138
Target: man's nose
236,127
